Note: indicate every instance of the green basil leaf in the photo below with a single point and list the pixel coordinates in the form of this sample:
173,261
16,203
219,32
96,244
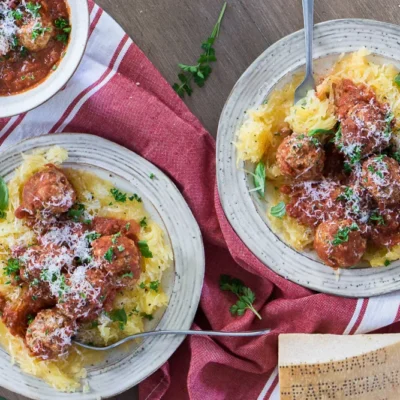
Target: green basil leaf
397,80
315,132
3,195
259,178
279,210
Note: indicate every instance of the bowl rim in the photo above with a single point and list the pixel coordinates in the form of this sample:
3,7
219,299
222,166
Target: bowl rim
234,200
171,343
57,85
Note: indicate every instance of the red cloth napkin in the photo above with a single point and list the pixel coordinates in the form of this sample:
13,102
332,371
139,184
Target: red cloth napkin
130,103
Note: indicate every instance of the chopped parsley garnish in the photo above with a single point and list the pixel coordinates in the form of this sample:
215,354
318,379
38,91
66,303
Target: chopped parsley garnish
389,118
118,195
128,275
152,176
76,212
119,315
396,156
115,237
356,155
375,216
143,222
315,141
16,14
147,316
12,267
380,157
387,263
33,8
279,211
347,168
92,236
154,285
39,30
346,195
63,25
342,235
109,254
30,319
127,226
135,197
372,169
121,248
144,249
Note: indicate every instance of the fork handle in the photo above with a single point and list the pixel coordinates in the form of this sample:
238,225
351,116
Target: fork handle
308,13
155,333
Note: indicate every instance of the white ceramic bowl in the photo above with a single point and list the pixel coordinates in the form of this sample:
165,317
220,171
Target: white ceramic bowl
124,368
244,210
32,98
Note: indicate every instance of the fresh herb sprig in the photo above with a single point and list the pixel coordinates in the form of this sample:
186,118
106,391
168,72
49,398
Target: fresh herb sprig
245,295
200,72
3,198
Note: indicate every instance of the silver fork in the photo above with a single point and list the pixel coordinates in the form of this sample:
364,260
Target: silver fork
309,82
154,333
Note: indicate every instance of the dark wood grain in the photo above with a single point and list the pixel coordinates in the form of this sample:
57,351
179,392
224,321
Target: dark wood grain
171,31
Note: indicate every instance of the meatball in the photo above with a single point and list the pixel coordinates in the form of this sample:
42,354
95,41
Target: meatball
112,226
119,255
16,315
88,290
50,334
347,94
301,157
339,243
365,130
384,225
38,259
35,35
47,191
314,202
381,176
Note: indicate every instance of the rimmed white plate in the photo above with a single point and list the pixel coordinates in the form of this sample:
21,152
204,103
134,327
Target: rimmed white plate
246,213
123,369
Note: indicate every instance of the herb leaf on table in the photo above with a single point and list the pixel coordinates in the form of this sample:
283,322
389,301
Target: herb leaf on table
245,295
200,72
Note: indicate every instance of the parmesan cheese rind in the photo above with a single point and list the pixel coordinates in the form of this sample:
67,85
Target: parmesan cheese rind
69,374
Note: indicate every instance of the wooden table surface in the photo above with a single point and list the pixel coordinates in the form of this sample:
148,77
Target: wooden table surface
171,31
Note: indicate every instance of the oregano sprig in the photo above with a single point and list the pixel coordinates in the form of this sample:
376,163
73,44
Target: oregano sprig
200,72
245,295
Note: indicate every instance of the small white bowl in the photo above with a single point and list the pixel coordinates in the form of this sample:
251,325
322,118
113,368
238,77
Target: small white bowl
32,98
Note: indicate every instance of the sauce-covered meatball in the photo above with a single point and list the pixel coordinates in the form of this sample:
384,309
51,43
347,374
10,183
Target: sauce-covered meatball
381,176
366,126
49,335
47,191
16,315
36,34
339,244
301,157
119,255
384,228
365,130
87,290
313,202
112,226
